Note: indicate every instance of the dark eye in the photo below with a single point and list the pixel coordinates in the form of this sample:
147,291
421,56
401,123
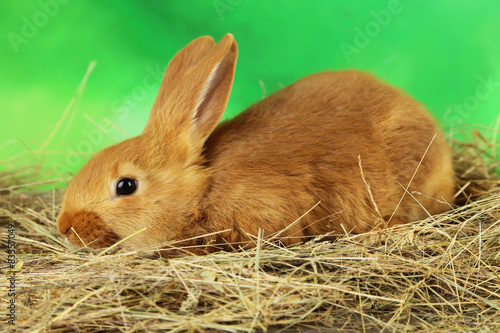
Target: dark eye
126,186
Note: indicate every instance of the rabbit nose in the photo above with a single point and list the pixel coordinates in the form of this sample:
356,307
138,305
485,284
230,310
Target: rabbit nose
64,223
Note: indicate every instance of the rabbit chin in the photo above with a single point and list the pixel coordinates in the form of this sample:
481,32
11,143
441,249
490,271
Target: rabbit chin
86,229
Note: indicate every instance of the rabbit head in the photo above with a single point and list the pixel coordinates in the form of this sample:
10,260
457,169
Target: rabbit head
155,181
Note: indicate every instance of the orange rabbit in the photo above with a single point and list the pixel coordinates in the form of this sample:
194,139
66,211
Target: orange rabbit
335,152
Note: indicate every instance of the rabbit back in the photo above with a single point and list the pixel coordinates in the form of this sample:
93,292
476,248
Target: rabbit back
368,155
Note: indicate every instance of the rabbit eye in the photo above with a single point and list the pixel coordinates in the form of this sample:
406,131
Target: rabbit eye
126,186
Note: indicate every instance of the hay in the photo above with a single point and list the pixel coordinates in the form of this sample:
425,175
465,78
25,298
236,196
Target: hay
441,274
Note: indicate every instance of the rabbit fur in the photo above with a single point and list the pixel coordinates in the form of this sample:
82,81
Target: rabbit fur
335,152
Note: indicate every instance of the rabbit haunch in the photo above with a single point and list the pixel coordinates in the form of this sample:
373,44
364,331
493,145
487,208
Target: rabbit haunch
362,153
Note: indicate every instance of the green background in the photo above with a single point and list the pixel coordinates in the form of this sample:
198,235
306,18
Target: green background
444,53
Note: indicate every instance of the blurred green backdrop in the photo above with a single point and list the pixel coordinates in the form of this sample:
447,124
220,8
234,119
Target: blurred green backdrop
444,53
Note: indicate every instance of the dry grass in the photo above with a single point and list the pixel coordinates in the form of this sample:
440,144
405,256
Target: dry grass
441,274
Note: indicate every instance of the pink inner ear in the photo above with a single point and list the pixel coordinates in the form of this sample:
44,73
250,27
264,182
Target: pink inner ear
203,109
215,94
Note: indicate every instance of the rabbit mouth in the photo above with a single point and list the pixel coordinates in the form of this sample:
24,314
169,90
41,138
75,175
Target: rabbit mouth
86,229
69,245
94,243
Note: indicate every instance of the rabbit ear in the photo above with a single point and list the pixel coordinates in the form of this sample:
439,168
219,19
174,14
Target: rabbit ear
195,93
180,63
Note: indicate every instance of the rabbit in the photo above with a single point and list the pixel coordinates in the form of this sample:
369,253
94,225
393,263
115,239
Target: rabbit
337,152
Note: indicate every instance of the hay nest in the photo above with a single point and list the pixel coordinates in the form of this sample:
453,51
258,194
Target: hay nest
438,274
